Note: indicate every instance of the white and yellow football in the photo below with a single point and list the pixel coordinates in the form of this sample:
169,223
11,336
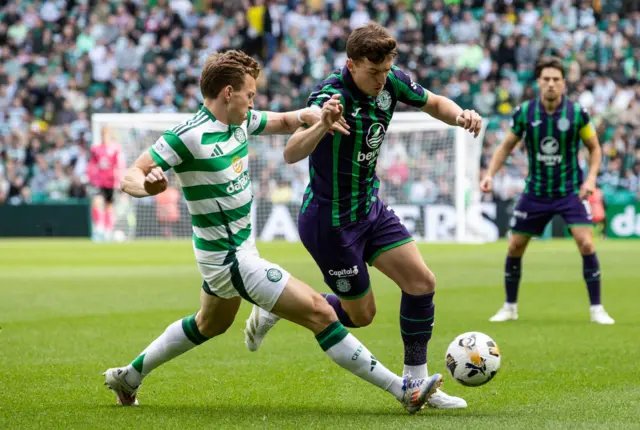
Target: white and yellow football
473,359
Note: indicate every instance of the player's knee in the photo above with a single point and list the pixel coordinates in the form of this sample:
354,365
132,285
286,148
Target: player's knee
516,249
321,313
429,282
424,283
210,326
585,245
363,317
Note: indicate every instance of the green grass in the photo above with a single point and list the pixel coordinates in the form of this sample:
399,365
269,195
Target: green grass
70,309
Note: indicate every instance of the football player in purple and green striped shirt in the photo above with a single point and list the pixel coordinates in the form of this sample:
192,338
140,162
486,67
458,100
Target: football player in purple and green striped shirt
552,128
343,223
209,154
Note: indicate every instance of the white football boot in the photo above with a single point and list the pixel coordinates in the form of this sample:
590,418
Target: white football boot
257,326
126,395
441,400
508,311
418,391
600,316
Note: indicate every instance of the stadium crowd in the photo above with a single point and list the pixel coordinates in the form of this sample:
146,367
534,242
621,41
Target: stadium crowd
63,60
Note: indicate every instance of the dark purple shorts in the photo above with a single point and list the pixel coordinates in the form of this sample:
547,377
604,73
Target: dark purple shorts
532,214
342,253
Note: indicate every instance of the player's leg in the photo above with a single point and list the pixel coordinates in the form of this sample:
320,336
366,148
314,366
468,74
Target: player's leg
97,215
274,290
300,304
109,217
577,215
351,313
344,272
405,266
354,312
530,217
214,317
339,253
518,243
391,249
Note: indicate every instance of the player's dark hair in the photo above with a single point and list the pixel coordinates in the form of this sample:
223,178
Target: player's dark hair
373,42
549,63
228,68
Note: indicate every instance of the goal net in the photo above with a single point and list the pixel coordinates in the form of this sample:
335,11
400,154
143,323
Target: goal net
429,175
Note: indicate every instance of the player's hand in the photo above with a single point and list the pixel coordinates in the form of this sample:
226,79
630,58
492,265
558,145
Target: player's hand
313,115
470,120
155,182
332,115
587,188
486,184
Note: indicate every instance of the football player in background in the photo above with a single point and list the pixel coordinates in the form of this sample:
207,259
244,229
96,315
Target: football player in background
552,127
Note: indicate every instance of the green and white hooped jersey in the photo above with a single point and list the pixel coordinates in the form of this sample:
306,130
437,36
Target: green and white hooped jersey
211,162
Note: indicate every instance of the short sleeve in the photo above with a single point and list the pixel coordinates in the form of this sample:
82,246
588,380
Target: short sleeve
407,91
169,151
519,119
321,95
585,118
586,130
256,122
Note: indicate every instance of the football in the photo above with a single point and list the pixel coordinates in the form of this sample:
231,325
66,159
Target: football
473,359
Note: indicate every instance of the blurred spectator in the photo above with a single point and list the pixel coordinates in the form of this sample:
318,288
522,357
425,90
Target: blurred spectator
62,61
484,101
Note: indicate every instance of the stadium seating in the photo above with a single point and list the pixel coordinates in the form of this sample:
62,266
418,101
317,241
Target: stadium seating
62,61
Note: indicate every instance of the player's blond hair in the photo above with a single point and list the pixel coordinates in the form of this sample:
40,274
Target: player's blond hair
228,68
373,42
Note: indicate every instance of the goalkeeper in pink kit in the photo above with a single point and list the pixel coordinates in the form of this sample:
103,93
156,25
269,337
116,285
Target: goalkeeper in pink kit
105,165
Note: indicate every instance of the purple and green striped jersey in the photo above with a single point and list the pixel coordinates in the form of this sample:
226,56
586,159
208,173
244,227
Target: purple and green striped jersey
343,168
552,141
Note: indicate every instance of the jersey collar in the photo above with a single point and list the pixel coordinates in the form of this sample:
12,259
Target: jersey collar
558,108
351,86
208,112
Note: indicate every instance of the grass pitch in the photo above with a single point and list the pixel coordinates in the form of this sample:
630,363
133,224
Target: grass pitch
71,309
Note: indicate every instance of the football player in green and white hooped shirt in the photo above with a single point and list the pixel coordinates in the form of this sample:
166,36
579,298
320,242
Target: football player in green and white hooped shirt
209,155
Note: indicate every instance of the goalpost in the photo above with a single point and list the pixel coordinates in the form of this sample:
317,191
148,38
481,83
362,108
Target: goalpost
429,173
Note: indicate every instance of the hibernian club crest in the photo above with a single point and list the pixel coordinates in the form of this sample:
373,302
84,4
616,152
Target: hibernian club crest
343,285
563,124
384,100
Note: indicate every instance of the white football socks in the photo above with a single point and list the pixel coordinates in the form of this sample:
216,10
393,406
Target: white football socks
416,372
353,356
178,338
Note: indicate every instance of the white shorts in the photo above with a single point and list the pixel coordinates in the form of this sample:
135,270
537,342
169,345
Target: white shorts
248,276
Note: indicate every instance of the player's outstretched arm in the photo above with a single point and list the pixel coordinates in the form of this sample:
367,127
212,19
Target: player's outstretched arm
288,122
449,112
497,160
144,178
590,140
304,141
439,107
